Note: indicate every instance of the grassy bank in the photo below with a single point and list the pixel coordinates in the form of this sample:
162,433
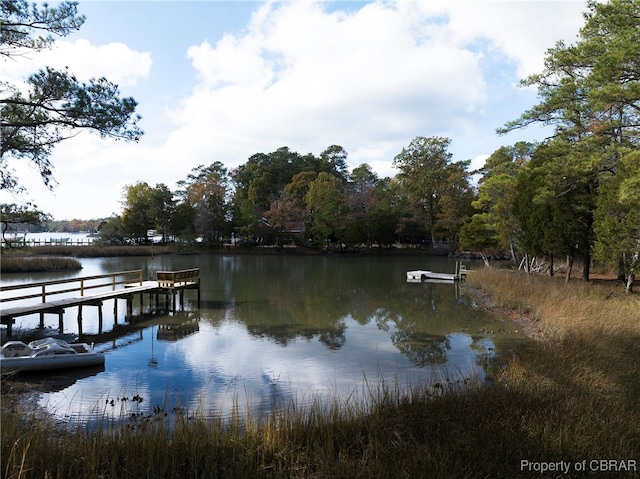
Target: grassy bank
13,264
62,258
569,395
91,251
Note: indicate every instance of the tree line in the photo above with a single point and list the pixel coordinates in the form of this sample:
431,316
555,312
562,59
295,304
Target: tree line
284,197
575,194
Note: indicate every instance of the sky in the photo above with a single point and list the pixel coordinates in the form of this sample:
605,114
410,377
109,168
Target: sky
223,80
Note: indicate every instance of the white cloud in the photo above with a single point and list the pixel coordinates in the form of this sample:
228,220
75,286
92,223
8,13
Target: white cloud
116,61
370,79
306,78
521,30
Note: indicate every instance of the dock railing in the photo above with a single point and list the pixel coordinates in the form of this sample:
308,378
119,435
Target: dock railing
170,284
46,289
184,277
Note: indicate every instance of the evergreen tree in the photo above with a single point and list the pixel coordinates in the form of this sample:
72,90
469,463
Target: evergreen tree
52,105
590,92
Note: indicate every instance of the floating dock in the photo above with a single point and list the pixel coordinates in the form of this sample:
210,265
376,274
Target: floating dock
418,276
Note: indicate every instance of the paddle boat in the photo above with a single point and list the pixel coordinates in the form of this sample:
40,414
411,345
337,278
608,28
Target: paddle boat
48,353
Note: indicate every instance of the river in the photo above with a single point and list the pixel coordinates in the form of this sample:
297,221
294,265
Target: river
272,331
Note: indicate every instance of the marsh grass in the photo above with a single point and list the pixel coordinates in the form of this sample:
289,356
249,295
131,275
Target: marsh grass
37,264
63,258
570,394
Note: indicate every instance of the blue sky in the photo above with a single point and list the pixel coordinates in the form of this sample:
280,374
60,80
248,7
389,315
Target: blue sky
222,80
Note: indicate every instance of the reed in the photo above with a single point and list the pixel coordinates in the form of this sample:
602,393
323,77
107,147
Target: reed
570,394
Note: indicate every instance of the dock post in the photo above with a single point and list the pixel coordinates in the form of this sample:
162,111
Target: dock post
182,300
41,320
115,310
100,317
60,321
79,320
130,306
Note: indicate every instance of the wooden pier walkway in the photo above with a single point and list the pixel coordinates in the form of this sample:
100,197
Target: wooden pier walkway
120,285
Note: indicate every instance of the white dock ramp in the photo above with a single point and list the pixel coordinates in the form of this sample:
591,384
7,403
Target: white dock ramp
419,275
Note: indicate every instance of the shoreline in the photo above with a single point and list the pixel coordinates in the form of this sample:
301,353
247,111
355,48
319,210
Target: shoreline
481,300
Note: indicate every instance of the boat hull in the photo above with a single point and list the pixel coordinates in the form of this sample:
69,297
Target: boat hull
51,362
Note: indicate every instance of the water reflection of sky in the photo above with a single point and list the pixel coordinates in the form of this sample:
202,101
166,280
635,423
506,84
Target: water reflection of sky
223,366
272,330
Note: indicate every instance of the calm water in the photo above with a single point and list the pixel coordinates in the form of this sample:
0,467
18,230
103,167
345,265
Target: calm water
272,330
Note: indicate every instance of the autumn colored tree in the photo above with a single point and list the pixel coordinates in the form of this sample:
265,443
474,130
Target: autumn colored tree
206,190
454,203
288,216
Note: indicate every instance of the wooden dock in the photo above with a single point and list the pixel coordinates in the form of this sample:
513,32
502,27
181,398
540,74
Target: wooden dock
35,298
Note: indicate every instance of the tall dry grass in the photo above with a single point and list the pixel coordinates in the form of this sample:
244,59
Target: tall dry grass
590,330
570,395
585,363
561,307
